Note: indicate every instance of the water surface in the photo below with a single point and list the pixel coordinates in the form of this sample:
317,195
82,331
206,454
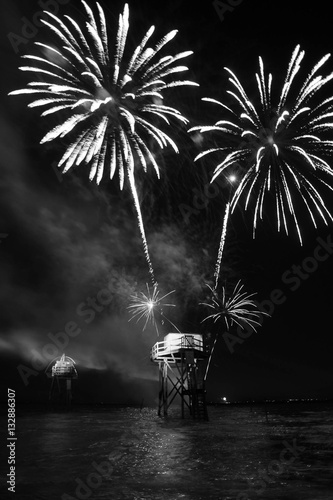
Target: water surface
116,453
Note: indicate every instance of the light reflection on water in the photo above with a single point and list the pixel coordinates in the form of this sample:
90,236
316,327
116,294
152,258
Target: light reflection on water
158,459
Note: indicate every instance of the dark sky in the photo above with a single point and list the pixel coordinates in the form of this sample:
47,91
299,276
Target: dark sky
63,239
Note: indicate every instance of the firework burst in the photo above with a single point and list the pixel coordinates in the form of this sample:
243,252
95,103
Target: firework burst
283,144
239,308
145,305
110,107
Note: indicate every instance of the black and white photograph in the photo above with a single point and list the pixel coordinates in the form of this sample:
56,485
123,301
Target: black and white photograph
166,250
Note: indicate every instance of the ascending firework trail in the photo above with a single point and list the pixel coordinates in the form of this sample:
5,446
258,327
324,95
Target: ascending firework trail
106,107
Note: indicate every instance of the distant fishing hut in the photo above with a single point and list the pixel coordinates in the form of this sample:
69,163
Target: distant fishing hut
63,371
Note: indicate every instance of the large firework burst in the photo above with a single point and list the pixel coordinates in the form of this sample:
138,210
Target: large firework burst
110,107
281,144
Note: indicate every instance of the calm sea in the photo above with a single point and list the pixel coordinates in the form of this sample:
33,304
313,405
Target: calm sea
281,451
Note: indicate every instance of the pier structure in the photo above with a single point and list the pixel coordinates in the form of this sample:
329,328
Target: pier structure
181,360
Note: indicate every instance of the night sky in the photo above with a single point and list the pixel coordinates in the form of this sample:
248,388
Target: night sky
63,239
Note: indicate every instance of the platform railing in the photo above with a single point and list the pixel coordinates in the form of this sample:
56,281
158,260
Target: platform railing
163,349
63,370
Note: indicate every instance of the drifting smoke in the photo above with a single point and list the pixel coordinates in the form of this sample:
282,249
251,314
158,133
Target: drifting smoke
73,255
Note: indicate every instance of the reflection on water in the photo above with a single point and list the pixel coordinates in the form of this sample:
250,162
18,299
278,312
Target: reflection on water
125,453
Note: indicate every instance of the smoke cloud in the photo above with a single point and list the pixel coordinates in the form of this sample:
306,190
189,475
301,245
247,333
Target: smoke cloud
67,242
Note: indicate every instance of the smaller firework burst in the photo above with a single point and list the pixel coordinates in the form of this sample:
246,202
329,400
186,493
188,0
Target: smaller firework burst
145,305
239,308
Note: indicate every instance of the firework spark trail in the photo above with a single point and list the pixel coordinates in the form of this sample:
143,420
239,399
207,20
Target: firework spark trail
108,110
239,308
222,243
283,147
144,306
141,226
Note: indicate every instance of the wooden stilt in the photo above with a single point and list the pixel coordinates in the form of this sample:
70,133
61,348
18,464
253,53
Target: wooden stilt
181,360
